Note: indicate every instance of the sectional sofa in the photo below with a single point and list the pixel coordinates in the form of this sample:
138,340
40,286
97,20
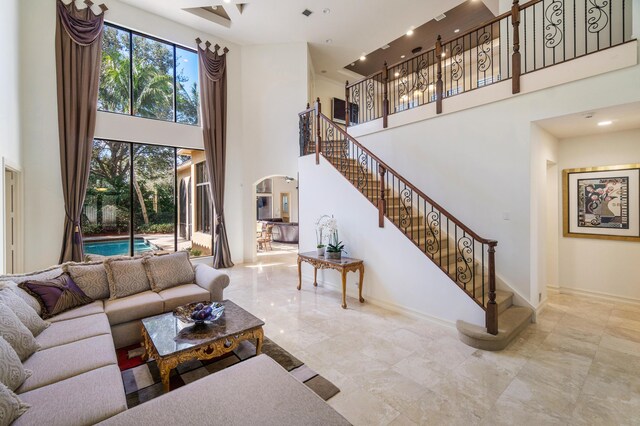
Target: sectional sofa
76,380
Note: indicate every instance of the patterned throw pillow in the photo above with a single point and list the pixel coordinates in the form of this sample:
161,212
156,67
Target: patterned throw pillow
10,406
91,278
12,373
126,277
169,271
56,295
14,332
31,301
23,311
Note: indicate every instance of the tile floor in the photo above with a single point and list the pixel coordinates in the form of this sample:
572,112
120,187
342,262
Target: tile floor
579,365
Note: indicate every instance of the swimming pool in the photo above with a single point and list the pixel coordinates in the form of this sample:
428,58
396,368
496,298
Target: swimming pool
117,247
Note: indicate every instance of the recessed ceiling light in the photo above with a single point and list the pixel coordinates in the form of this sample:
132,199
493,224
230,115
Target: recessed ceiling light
605,123
363,58
410,33
353,64
443,54
403,56
328,41
457,30
326,11
397,74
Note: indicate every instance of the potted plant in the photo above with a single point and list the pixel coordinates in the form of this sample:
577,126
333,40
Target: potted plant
335,247
320,249
321,224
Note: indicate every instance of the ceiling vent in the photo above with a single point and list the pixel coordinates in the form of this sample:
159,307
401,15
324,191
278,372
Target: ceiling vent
440,17
416,50
307,13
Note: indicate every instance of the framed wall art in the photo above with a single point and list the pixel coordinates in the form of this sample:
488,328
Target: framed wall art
602,202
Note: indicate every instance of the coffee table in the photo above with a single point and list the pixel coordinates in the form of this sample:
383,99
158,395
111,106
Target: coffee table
170,342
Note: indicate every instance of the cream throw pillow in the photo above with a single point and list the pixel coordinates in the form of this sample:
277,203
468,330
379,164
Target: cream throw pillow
12,373
11,407
169,270
126,277
25,313
14,332
91,278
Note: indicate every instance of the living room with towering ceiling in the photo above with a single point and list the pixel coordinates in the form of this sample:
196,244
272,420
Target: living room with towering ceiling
362,212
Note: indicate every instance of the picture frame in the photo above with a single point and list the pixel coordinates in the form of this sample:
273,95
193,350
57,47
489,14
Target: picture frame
602,202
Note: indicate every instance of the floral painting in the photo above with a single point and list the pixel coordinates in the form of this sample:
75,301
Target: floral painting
603,203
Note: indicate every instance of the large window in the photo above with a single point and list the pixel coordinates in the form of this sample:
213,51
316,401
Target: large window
139,200
148,77
203,200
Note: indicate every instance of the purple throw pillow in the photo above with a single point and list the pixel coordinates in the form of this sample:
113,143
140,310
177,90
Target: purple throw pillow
56,295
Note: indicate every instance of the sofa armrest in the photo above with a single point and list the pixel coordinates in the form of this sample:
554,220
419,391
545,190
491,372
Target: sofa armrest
211,280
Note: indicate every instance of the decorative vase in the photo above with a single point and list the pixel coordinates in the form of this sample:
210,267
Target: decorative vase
335,255
320,251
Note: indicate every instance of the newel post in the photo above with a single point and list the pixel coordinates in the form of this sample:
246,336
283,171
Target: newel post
347,108
439,84
382,201
492,306
516,57
385,99
318,132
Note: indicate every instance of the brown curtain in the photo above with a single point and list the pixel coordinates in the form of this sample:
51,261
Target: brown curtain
213,99
78,58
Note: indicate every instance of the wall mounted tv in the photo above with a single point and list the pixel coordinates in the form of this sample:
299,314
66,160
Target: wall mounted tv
338,113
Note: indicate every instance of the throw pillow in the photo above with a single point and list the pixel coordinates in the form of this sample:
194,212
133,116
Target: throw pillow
91,278
11,407
126,277
56,295
12,373
169,271
23,311
14,332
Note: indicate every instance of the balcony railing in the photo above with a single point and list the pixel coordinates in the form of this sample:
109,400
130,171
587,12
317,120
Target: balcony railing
530,37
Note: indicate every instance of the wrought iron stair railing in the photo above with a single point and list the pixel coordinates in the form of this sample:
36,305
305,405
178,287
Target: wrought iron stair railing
532,36
465,257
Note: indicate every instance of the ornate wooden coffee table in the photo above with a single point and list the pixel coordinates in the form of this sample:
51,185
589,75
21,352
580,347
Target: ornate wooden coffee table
170,342
343,265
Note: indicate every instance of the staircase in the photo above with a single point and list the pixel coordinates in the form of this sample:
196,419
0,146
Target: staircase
466,258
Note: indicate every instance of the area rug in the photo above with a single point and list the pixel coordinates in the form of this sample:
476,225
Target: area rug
142,380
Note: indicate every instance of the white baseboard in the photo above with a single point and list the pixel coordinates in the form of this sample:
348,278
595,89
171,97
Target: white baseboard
382,304
593,294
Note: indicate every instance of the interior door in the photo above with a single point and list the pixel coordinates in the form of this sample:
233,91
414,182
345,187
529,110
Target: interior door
10,225
285,208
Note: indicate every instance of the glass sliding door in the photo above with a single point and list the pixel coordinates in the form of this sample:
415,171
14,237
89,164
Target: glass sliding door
144,198
106,215
154,198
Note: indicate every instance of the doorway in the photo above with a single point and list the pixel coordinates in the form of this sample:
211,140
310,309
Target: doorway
285,198
12,223
276,210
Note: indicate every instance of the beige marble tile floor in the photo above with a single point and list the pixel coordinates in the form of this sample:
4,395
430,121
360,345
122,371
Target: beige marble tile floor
578,365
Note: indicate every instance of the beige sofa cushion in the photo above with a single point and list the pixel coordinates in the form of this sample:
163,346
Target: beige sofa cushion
63,332
12,373
91,278
11,407
169,270
134,307
14,332
181,295
80,400
95,307
126,277
257,391
62,362
25,313
13,280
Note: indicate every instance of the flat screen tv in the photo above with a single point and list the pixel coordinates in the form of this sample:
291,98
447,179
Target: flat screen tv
338,112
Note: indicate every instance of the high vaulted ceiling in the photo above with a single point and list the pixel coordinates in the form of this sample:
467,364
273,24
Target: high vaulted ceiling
337,37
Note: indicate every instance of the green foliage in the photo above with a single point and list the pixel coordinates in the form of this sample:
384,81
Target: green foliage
156,228
335,245
195,252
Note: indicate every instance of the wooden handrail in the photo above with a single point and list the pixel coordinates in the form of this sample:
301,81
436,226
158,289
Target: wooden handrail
408,184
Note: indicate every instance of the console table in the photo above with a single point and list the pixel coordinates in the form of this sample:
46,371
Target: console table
344,265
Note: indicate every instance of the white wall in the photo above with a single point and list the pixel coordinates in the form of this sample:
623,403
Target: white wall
44,206
10,105
544,150
274,90
327,89
592,265
397,274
